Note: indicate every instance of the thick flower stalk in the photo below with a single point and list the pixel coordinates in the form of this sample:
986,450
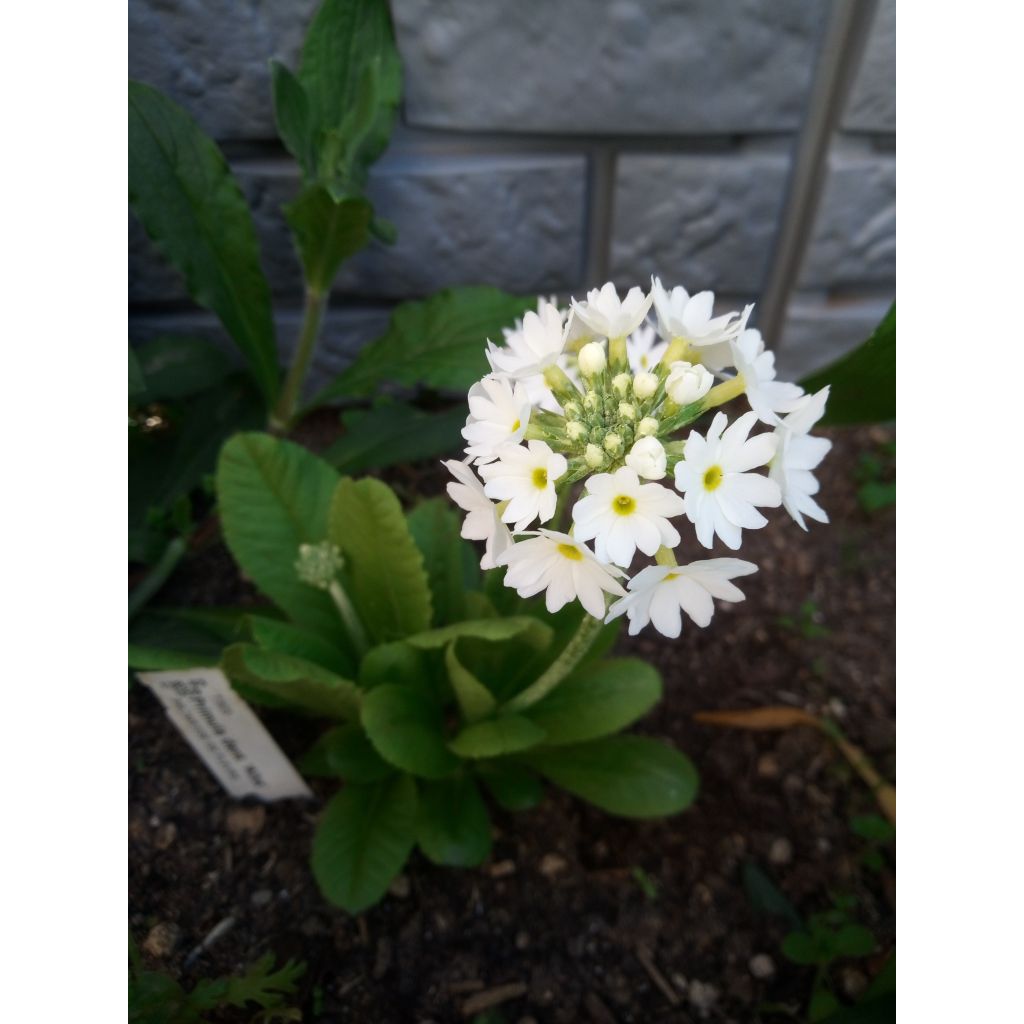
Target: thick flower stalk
585,432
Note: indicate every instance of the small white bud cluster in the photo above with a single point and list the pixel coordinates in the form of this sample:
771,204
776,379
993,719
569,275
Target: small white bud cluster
319,564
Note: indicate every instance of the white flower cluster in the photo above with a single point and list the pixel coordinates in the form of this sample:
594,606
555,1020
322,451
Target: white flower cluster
595,395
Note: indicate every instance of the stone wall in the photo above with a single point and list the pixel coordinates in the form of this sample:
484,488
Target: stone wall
546,146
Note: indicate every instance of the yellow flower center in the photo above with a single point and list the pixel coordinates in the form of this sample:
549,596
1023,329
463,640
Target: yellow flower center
516,425
540,478
571,552
670,576
713,478
624,505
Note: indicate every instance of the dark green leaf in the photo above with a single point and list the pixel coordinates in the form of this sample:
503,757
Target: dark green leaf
513,786
345,752
854,940
597,701
801,948
391,432
876,495
302,684
451,563
136,378
274,496
863,382
873,828
821,1006
260,986
385,568
507,734
632,776
183,192
178,367
878,1010
475,700
406,727
437,343
766,897
181,638
362,841
291,112
327,233
453,826
275,635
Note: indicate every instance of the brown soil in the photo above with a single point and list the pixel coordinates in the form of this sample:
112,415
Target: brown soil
558,914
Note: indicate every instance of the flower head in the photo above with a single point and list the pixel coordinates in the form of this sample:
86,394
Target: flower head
621,514
644,349
658,593
608,315
483,518
719,491
499,413
562,567
532,349
647,458
685,316
797,455
525,476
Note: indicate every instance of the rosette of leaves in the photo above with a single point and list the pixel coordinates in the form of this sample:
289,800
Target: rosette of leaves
436,710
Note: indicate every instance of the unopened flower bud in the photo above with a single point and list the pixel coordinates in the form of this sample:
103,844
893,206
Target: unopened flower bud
621,382
591,401
647,426
627,411
318,564
572,410
575,430
687,383
647,459
613,444
594,456
592,359
644,385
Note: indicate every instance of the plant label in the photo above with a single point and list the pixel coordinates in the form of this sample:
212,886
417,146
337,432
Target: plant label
228,737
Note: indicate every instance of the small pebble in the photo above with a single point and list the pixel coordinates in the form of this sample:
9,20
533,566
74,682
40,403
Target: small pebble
702,997
853,981
522,940
781,851
767,766
502,868
400,887
762,966
165,836
261,897
551,864
246,820
161,940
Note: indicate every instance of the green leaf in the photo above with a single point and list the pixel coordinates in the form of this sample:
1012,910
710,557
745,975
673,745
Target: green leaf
345,752
854,940
285,638
597,701
178,367
530,633
876,495
388,582
873,828
395,662
801,948
878,1010
507,734
327,232
436,343
452,565
766,897
348,41
406,727
475,700
274,496
136,378
300,683
864,381
181,638
821,1006
362,841
632,776
260,985
183,192
453,826
292,114
514,787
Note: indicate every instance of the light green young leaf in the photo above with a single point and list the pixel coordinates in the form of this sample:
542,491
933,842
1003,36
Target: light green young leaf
395,662
438,342
345,752
597,700
453,827
405,726
274,496
533,633
327,232
632,776
183,192
506,734
475,700
300,683
362,841
388,583
286,638
452,564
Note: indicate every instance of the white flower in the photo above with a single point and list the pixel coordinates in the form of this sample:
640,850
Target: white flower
608,315
797,454
592,359
688,317
483,521
719,491
620,514
643,348
687,383
767,396
564,568
533,348
657,593
525,476
647,458
499,413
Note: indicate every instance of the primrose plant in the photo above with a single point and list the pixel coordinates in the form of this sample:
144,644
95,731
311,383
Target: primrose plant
595,396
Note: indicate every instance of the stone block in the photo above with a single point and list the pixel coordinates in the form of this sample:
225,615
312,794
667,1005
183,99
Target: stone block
872,104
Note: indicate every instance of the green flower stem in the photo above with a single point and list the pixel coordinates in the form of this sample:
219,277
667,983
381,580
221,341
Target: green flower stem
558,520
665,556
575,649
349,617
281,417
617,356
724,392
157,576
